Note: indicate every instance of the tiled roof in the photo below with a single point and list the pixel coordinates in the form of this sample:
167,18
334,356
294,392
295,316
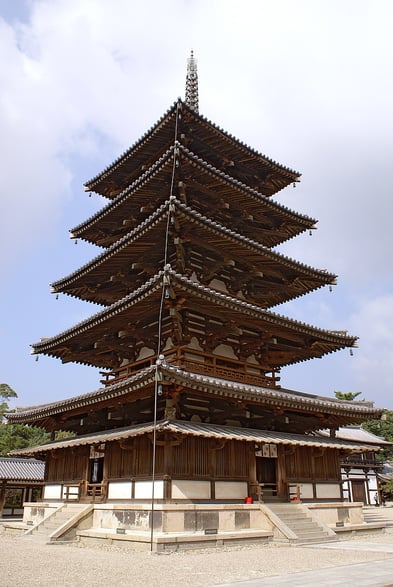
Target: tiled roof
207,168
174,374
284,397
171,113
213,296
196,218
32,413
201,430
355,434
14,469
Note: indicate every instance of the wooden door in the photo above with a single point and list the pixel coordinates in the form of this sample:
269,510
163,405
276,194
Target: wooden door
267,476
358,491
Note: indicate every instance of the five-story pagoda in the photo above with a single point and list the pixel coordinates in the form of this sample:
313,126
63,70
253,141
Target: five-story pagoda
188,347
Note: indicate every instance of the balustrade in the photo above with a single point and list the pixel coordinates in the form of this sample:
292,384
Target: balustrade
200,362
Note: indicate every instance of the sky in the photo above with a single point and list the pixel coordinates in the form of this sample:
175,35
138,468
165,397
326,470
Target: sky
308,83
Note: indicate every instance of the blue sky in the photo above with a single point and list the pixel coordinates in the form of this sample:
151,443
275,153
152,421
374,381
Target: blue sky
307,83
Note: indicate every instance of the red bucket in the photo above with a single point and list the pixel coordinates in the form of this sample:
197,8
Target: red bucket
248,500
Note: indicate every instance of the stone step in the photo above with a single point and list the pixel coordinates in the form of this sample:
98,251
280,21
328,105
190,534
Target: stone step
299,527
291,518
41,530
310,534
61,517
301,524
51,524
302,540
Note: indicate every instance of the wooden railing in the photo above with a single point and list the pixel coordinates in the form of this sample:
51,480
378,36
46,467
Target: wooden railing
83,490
294,492
203,363
268,491
361,461
72,491
95,491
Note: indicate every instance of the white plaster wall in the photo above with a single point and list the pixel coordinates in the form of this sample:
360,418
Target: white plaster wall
218,284
144,353
224,350
372,482
190,489
144,490
306,491
71,493
52,492
231,490
345,487
120,490
328,491
194,344
357,473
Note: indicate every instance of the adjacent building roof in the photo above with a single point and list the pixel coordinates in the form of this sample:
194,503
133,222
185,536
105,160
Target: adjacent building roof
356,434
14,469
198,429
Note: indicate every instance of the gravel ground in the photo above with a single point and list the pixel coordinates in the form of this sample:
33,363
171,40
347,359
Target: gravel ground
29,563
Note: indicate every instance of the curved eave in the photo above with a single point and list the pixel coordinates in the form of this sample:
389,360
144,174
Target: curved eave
98,183
34,414
270,396
159,218
303,221
213,385
187,428
209,302
290,173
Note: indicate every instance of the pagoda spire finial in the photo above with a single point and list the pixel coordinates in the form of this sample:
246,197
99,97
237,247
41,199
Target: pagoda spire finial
192,83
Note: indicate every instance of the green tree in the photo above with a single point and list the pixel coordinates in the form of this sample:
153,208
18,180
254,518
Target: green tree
6,392
387,488
384,429
349,396
15,436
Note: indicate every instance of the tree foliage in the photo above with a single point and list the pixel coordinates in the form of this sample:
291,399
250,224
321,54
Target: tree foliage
349,396
15,436
6,392
384,429
387,488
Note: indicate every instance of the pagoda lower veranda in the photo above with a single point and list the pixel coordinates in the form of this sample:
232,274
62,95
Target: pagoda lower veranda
190,439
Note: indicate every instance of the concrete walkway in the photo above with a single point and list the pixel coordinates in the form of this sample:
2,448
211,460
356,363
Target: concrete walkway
378,573
375,574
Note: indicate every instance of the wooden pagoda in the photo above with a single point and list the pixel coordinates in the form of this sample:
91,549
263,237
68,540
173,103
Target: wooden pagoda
190,408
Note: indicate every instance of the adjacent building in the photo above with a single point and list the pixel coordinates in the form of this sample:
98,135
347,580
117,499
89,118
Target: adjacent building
21,480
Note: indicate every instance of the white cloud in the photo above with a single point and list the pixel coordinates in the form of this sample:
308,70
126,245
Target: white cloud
305,82
372,369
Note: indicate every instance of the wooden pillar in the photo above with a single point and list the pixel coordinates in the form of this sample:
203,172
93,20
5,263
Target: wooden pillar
2,496
282,491
254,489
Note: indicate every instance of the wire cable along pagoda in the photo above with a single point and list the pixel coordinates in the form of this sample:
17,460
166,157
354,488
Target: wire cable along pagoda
187,343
